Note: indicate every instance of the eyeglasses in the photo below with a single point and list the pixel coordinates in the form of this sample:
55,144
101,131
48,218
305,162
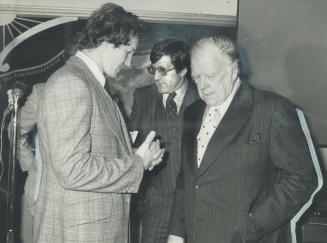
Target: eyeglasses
161,70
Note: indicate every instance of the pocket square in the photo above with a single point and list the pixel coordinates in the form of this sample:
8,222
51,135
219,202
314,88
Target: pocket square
255,139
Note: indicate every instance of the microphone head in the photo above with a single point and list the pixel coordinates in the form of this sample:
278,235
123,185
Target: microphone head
18,89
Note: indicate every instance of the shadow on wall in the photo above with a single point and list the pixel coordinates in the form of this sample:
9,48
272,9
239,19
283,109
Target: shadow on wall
245,64
306,72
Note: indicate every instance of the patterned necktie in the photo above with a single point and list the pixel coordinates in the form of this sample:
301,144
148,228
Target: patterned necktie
208,127
171,107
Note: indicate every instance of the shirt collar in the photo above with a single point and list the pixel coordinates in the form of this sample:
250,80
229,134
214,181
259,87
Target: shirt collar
222,108
180,93
92,66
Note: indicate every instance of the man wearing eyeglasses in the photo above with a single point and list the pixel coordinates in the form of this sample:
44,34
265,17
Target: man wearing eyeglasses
161,106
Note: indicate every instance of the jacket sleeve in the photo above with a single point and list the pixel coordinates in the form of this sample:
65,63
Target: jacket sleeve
291,158
27,118
67,110
137,125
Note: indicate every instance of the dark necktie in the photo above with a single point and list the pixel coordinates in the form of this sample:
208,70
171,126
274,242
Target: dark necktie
106,87
171,107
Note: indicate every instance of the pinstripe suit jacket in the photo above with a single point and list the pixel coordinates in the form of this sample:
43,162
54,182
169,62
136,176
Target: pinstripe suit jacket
89,169
156,192
255,175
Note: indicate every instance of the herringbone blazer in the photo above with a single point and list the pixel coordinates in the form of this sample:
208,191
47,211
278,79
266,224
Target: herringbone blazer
89,169
255,175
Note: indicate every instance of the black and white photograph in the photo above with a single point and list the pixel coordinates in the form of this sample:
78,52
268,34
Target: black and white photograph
176,121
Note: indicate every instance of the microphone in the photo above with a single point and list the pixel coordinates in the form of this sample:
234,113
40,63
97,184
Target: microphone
14,95
18,90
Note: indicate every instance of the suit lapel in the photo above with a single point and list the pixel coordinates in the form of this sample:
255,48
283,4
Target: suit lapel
234,119
123,128
191,129
190,97
155,97
111,113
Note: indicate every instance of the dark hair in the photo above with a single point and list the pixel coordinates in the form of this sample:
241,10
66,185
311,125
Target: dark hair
177,50
111,23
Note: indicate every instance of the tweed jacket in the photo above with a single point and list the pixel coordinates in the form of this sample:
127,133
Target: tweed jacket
89,169
27,116
255,175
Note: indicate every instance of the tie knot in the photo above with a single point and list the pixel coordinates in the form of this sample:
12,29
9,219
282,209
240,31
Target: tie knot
171,96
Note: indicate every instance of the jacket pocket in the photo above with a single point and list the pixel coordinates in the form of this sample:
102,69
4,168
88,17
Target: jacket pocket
89,211
246,231
248,148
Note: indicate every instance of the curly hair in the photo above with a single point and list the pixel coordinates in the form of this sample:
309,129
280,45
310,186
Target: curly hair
112,24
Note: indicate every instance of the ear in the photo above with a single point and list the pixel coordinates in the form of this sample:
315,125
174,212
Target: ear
234,68
183,72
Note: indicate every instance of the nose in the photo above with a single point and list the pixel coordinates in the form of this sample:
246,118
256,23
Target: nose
157,76
128,61
201,83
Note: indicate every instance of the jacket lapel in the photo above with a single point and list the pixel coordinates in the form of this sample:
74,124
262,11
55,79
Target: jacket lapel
111,113
234,119
154,98
190,97
191,129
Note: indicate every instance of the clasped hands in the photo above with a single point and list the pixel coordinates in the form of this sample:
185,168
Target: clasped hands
150,151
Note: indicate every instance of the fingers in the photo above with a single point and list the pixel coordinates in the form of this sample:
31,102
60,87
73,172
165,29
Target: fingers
150,137
155,162
145,146
155,145
158,153
157,158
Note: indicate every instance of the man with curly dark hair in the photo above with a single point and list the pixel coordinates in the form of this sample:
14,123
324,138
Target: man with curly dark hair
89,168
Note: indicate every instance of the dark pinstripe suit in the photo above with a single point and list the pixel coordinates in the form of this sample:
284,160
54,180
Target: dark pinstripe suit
255,175
158,186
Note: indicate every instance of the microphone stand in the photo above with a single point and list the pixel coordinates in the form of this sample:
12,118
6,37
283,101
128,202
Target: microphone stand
12,174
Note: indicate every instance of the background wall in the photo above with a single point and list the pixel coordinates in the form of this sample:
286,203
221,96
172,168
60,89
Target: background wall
187,11
217,7
286,44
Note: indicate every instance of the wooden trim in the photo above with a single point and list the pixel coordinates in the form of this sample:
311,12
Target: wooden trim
150,16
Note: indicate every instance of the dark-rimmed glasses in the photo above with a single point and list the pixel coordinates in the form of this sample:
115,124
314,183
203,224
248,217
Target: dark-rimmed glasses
161,70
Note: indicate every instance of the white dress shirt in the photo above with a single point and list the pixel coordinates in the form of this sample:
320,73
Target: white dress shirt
210,121
92,66
180,93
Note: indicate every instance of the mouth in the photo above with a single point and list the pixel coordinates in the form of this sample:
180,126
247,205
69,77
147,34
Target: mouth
205,92
160,83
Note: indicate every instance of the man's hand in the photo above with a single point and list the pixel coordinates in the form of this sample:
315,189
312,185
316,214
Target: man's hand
175,239
150,151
